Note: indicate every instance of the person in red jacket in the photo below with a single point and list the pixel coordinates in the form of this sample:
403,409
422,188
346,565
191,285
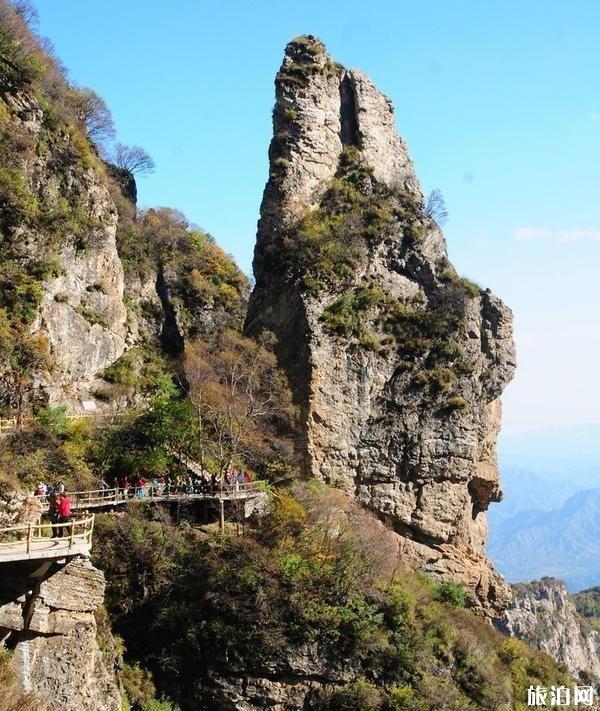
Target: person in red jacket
64,513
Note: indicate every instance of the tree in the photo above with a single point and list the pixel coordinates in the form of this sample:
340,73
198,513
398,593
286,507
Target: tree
435,207
94,114
237,392
27,10
133,159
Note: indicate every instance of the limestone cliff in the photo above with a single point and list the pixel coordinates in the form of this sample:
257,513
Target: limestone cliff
58,254
47,618
396,362
542,614
85,275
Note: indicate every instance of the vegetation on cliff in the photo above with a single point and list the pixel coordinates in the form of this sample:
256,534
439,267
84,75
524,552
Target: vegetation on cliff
314,592
161,240
587,603
229,406
328,250
325,248
47,153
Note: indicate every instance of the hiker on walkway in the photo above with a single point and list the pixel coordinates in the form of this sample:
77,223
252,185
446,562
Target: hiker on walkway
239,480
64,513
203,484
53,512
140,488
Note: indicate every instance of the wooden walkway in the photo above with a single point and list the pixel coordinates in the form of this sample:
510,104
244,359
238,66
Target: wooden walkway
108,498
34,541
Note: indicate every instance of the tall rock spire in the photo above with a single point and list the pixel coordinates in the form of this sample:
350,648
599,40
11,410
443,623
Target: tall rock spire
396,362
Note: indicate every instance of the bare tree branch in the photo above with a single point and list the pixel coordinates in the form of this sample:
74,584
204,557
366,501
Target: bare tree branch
95,115
134,159
435,207
27,10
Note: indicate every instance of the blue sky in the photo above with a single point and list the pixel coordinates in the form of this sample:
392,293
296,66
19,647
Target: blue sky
499,103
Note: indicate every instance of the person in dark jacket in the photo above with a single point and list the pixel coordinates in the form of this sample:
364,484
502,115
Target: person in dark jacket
53,511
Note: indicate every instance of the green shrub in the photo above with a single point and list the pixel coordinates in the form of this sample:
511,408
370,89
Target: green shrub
346,316
449,275
361,695
401,698
451,593
122,371
159,705
457,403
91,315
438,380
293,565
138,684
54,419
325,247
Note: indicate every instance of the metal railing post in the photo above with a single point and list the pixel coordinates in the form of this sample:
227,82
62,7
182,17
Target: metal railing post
29,538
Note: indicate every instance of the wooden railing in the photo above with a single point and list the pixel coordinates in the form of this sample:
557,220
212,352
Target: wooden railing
77,531
105,497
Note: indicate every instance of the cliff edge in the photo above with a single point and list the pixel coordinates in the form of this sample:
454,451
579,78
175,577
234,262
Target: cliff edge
543,614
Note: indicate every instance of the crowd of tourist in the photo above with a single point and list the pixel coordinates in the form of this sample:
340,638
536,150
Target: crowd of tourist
205,484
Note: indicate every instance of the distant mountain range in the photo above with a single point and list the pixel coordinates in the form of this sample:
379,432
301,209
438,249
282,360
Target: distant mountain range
549,520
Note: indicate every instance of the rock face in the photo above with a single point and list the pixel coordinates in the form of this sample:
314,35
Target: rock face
397,364
543,615
18,508
52,629
70,229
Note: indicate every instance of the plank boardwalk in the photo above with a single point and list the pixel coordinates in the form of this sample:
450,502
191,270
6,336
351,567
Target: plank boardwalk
34,541
108,498
47,541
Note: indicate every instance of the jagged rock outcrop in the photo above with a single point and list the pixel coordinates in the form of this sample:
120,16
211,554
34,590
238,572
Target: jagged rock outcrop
17,507
543,615
396,362
47,618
